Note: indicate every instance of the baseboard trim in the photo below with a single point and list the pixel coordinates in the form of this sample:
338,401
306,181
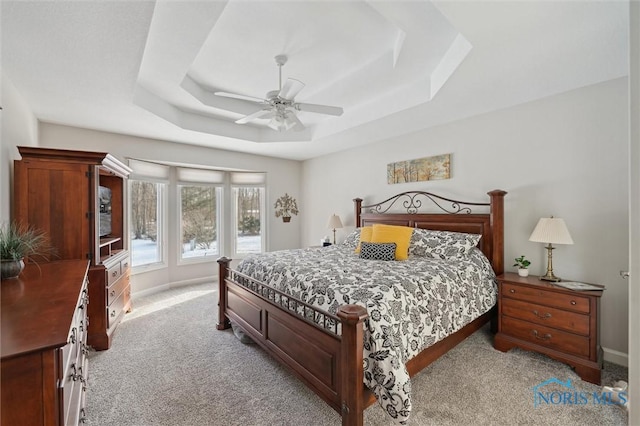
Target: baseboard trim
616,357
169,286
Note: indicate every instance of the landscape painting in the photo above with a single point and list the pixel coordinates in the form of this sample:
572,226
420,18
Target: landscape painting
428,168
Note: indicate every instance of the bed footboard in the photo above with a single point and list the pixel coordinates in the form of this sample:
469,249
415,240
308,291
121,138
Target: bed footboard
328,361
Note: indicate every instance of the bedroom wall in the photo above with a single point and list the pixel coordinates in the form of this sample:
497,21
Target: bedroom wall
282,176
19,127
565,155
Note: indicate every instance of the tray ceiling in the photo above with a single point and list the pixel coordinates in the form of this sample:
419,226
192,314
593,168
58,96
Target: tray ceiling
150,68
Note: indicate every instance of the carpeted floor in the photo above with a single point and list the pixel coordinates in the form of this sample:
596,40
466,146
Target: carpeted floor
168,365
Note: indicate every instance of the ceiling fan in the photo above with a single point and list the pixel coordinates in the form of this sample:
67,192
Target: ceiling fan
280,106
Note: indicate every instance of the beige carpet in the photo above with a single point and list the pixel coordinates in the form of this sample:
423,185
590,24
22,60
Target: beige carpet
170,366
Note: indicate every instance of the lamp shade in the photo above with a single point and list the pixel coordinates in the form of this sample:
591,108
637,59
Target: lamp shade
551,230
334,222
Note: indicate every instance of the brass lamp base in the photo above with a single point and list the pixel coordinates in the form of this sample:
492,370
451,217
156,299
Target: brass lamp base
550,278
549,275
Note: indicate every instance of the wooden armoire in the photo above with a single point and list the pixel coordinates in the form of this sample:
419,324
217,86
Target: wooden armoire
79,199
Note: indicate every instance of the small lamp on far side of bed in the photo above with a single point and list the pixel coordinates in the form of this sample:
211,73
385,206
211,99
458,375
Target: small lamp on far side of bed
551,230
334,223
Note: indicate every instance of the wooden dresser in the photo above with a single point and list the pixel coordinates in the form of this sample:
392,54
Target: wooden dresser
543,317
79,199
44,335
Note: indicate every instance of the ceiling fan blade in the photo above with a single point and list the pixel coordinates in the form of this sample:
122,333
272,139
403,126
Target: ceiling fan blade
320,109
290,89
237,96
258,114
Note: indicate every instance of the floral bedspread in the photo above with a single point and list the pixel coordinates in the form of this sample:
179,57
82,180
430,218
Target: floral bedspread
412,304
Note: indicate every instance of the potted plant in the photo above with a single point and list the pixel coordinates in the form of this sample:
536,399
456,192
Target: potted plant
17,243
523,265
285,207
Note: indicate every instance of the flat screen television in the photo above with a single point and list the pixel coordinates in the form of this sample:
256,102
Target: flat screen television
104,202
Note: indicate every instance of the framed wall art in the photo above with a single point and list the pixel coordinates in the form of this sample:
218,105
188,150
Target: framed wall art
428,168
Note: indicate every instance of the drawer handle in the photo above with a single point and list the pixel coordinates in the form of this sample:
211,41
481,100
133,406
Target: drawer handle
512,291
74,374
545,316
573,302
83,416
72,338
545,337
113,293
114,274
113,314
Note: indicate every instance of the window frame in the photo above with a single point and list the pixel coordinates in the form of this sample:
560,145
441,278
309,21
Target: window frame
219,193
234,219
162,215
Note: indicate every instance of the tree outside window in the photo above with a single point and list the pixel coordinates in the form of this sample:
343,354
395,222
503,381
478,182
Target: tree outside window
199,221
145,222
248,218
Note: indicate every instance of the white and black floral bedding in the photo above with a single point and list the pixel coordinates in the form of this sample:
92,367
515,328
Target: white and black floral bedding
412,304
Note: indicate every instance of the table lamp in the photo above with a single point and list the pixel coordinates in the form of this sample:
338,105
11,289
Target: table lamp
334,223
551,230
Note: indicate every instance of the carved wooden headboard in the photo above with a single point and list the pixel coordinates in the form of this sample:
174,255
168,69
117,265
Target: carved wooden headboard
457,217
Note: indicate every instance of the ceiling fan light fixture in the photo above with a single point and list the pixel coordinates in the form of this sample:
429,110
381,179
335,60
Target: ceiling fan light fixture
282,121
277,122
289,123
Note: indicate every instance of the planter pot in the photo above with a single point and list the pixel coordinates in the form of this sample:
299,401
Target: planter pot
523,272
10,268
286,219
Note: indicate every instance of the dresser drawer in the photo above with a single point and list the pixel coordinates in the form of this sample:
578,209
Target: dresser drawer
124,265
116,309
113,273
545,315
546,336
116,288
74,392
73,385
570,302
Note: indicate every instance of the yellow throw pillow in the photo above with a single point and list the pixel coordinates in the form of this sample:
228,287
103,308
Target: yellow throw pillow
365,235
401,235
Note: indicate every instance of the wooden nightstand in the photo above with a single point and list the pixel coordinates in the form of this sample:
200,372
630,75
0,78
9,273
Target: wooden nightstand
539,316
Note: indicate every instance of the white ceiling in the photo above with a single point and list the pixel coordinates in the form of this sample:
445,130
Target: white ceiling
150,68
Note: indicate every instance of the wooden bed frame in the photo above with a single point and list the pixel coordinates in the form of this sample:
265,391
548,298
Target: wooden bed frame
330,362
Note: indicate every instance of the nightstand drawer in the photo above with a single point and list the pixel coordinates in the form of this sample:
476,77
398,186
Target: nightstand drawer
545,315
546,336
570,302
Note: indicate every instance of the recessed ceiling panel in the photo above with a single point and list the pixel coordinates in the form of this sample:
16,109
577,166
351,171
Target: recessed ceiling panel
324,43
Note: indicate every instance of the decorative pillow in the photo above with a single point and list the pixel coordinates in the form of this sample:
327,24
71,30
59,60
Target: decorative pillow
401,235
442,244
365,235
352,239
378,251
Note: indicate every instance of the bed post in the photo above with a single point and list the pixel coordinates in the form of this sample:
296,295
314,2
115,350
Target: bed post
497,229
357,203
352,371
223,321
